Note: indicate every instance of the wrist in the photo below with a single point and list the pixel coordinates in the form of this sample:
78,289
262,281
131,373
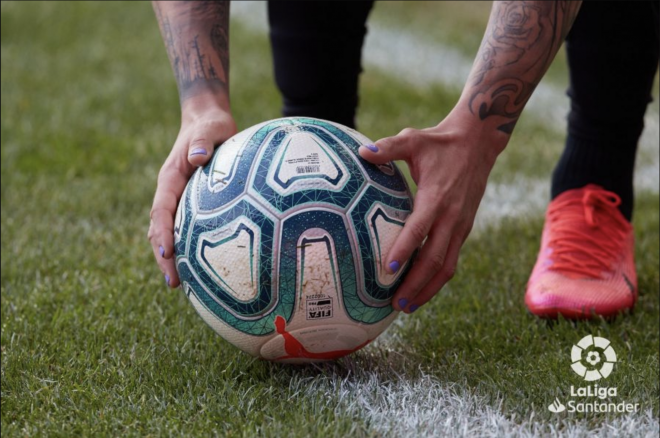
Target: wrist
204,105
481,135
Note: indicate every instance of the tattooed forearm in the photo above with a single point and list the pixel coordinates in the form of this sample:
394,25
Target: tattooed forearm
196,35
521,41
570,10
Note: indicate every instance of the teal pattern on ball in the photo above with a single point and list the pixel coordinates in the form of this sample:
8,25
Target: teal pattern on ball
255,201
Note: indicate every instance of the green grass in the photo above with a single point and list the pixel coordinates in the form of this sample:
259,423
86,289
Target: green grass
94,344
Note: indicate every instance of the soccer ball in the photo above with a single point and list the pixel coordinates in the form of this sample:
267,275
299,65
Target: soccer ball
281,241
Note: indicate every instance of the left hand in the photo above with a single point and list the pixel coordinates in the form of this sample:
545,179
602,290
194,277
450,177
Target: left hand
450,164
201,130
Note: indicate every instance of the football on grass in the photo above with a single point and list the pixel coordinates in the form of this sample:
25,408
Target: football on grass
281,241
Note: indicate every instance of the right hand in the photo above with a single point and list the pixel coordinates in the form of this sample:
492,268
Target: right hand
200,133
450,164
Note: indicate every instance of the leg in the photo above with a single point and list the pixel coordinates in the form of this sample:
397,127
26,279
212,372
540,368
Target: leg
586,265
613,57
317,48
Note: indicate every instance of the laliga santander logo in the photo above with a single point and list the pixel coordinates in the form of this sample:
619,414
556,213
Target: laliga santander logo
593,358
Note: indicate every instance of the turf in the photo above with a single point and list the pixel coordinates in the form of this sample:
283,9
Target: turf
94,344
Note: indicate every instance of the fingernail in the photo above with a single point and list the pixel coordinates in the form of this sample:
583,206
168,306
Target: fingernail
162,251
394,266
403,303
413,307
371,147
167,279
198,151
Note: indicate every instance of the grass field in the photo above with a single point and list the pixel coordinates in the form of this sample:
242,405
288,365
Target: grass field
94,344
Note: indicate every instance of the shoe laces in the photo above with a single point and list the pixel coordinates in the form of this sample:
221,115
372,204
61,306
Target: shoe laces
587,233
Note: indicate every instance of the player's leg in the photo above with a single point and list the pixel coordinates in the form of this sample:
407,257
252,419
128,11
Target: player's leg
317,49
613,57
586,263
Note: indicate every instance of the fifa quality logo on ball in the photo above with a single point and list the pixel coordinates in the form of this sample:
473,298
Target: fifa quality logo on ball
593,358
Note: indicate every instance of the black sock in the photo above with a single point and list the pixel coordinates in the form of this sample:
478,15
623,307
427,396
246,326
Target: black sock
608,165
613,64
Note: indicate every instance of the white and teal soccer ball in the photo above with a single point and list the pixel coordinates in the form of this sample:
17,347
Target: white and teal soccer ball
281,241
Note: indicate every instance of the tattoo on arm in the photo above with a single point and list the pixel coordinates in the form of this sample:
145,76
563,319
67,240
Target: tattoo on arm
196,35
521,41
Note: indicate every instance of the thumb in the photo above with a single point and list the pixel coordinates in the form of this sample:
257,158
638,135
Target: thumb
385,150
200,148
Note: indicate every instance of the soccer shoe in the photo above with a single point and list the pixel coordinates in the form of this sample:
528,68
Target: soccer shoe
586,265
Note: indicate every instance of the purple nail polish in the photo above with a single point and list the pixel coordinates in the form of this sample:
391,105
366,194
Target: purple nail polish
403,303
394,266
167,279
161,250
413,307
371,147
198,151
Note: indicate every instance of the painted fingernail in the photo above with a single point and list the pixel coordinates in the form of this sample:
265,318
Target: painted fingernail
371,147
403,303
198,151
413,307
161,250
394,266
167,279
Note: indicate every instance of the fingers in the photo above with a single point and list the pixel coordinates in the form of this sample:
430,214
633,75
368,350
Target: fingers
414,231
389,148
165,263
429,263
440,278
194,147
172,181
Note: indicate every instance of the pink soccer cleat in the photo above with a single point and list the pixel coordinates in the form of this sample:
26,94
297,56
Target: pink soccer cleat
586,265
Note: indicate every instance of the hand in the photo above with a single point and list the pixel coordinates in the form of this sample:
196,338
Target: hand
450,164
194,146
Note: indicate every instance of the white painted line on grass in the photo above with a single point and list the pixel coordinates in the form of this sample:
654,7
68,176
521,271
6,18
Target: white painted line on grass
397,406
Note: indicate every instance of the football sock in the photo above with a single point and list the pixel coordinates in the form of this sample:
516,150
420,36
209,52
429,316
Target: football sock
613,64
608,165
